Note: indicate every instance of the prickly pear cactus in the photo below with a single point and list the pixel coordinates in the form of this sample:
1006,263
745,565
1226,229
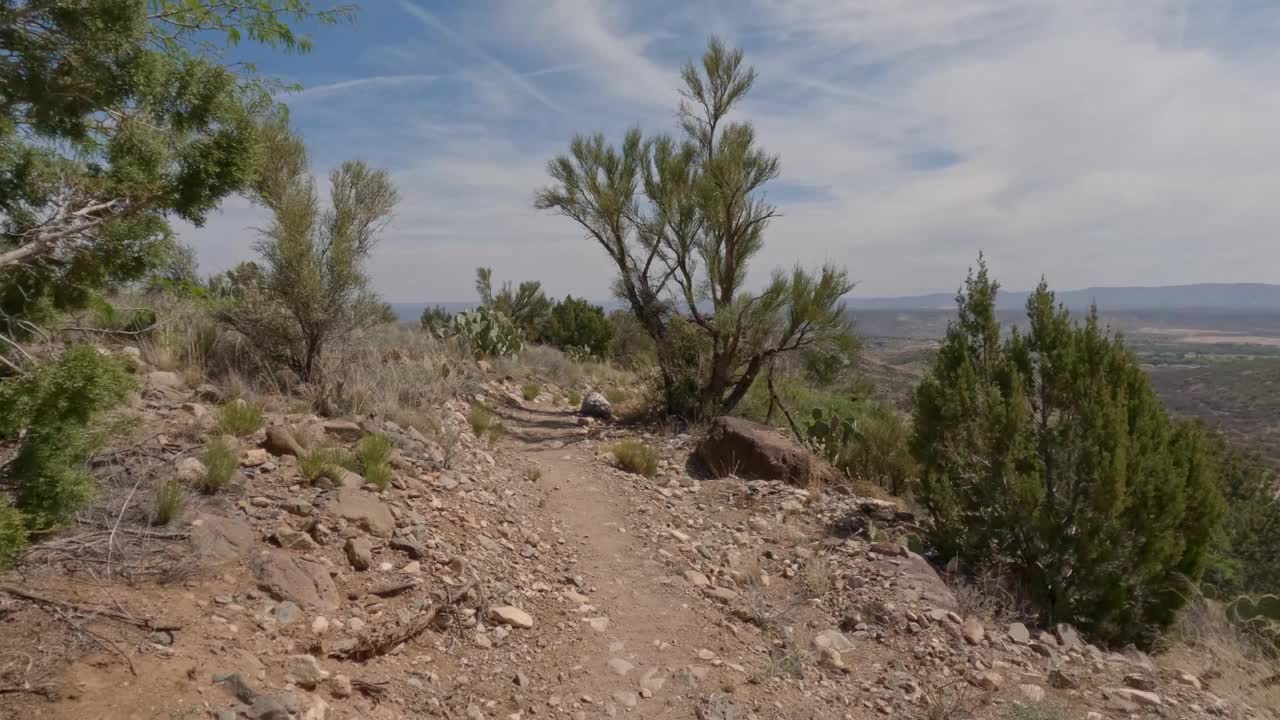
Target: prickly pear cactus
1259,608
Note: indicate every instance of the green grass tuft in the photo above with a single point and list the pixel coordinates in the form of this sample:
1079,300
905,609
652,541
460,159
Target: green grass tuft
530,391
240,418
635,457
480,418
220,464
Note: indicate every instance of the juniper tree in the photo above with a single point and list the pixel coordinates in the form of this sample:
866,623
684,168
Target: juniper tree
1046,453
116,116
681,218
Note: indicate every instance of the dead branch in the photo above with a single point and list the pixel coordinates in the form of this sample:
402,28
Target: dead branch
384,639
144,623
46,690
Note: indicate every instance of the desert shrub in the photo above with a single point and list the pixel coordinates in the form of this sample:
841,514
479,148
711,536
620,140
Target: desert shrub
481,419
579,328
615,396
220,464
533,474
575,398
436,320
13,534
1244,558
52,407
526,305
864,440
170,498
634,456
631,347
312,287
1047,452
530,391
681,219
488,332
240,418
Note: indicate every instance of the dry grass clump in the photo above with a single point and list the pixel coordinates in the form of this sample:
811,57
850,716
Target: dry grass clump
634,456
169,501
1237,663
220,463
819,576
530,391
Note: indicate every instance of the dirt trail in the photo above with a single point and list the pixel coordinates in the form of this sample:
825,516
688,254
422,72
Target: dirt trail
647,634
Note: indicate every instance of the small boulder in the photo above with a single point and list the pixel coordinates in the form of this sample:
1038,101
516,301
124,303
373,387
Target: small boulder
595,405
344,430
832,639
736,446
1019,633
973,631
280,441
191,470
363,509
359,553
1138,697
512,616
305,671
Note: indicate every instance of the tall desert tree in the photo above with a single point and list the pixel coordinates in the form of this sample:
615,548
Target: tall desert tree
1046,453
312,286
115,117
681,218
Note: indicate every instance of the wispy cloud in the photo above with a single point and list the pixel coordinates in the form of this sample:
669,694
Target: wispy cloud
510,75
315,92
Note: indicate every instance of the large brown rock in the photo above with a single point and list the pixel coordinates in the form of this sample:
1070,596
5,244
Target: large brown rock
734,446
301,581
218,538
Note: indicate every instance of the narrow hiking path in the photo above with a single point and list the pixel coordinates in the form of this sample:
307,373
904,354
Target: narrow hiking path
652,648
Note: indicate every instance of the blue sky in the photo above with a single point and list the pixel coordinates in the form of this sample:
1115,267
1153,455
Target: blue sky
1097,142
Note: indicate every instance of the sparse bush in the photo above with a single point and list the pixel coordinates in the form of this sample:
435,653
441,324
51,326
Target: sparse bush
220,463
240,418
436,320
579,328
819,577
696,205
866,441
13,534
526,305
533,474
488,332
575,398
52,407
481,419
1048,453
632,347
530,391
615,396
312,287
634,456
168,503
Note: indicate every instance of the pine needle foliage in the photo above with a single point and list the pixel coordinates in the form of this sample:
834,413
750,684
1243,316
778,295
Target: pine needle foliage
1047,452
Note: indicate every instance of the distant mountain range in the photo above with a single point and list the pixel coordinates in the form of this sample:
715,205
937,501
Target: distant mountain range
1225,296
1201,296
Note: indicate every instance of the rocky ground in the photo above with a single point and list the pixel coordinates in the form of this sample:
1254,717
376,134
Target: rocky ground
522,578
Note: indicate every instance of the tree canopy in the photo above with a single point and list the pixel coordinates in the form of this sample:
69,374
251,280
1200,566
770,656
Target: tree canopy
116,116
